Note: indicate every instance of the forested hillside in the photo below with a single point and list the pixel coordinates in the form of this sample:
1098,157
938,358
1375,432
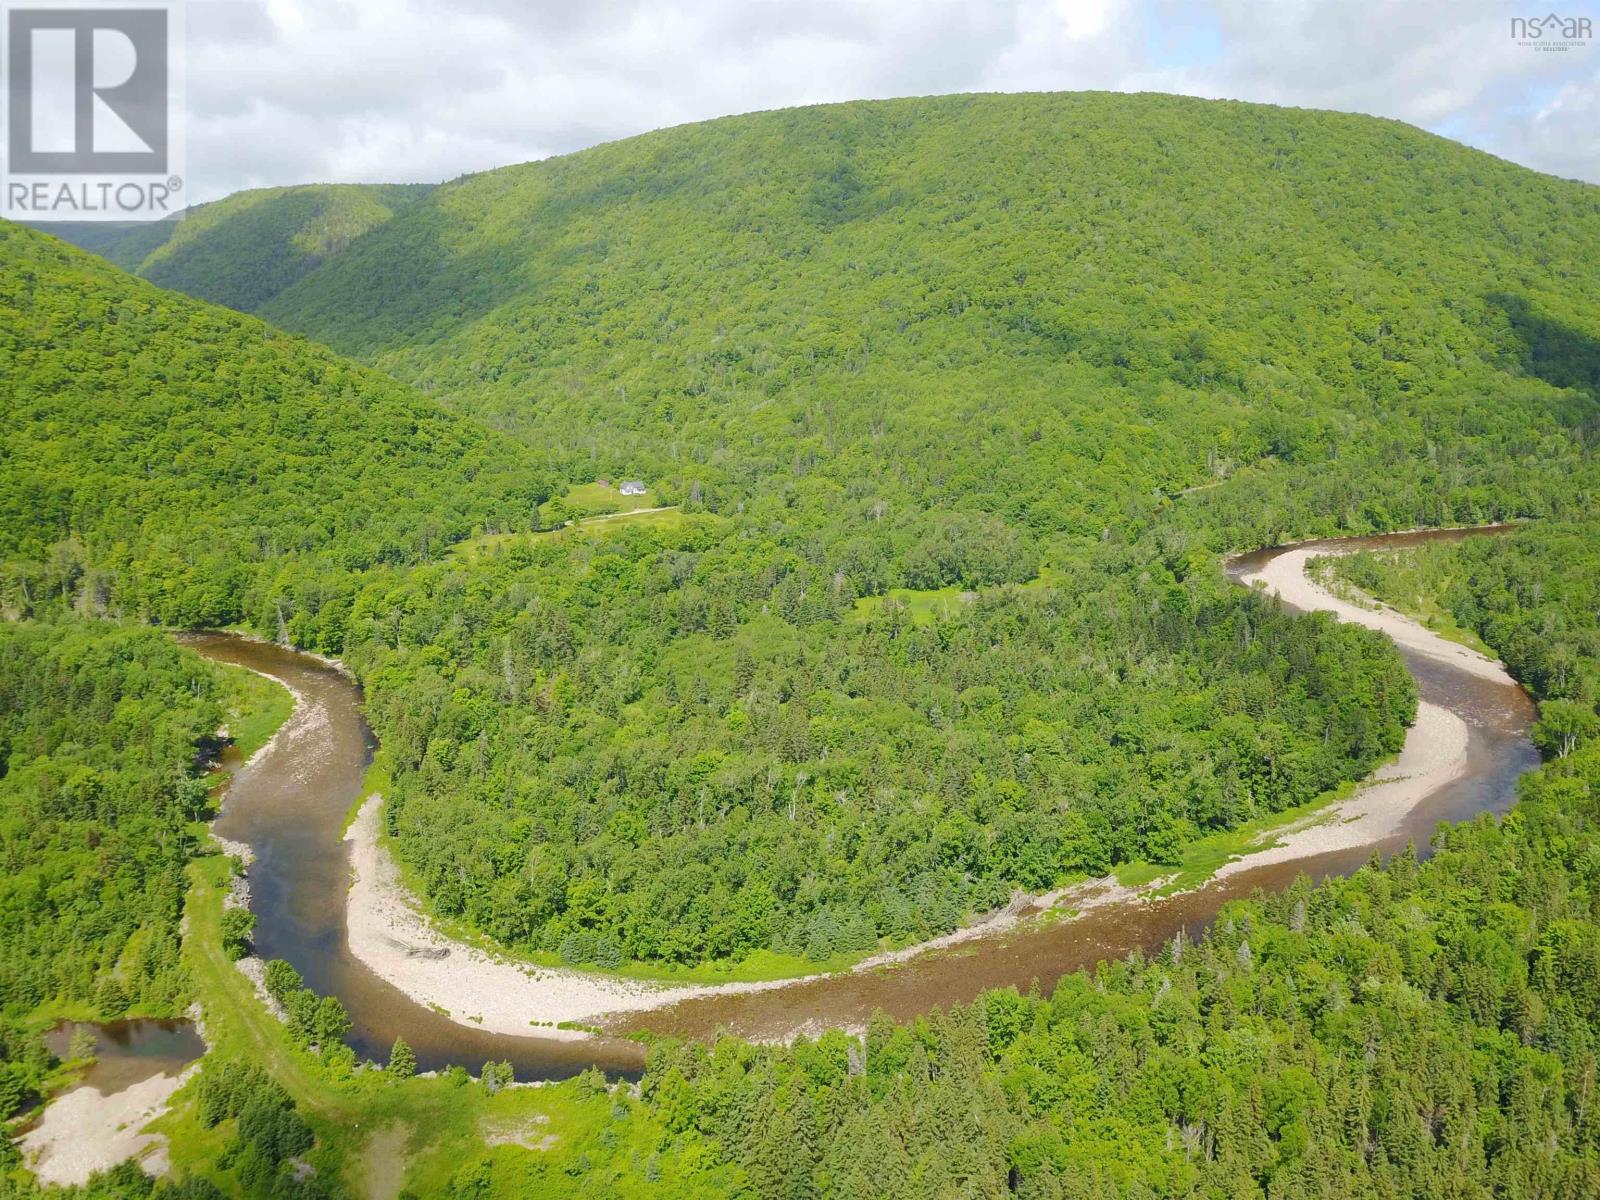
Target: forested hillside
965,350
98,727
1044,307
164,457
961,401
246,248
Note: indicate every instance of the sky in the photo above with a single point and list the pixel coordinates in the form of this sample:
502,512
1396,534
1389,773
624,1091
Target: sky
299,91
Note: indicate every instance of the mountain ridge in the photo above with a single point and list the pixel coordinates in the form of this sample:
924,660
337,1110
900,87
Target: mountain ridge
241,250
719,285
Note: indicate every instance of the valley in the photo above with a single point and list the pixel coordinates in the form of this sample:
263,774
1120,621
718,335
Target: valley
983,645
524,1006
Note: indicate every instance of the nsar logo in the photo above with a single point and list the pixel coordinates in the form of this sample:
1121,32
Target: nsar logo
1551,32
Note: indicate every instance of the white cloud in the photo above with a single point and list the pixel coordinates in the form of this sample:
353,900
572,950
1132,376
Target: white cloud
1563,136
284,91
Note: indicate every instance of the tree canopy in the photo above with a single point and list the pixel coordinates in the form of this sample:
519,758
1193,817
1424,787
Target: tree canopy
244,249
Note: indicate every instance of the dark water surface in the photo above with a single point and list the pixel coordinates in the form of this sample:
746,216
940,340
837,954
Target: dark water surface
129,1052
291,802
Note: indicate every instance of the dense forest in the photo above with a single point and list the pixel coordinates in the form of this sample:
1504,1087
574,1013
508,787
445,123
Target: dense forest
1415,1030
100,726
1425,1029
1419,1029
1318,1044
1043,307
966,343
244,249
958,404
705,738
658,747
164,457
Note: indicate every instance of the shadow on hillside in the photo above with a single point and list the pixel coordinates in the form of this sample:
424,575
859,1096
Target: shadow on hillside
1556,353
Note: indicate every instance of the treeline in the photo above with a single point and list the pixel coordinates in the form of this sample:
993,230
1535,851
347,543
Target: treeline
314,1022
268,1132
1533,595
1425,1029
100,726
1415,1030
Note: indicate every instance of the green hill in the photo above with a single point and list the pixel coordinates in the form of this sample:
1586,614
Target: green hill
244,249
164,456
927,379
1036,305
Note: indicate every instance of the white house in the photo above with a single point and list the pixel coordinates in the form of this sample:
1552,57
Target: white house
632,487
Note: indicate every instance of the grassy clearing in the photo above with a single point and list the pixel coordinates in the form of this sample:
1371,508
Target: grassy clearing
472,549
663,518
1202,859
922,607
925,606
488,544
592,499
256,706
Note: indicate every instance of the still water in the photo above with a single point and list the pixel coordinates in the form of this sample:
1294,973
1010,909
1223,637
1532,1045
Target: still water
128,1052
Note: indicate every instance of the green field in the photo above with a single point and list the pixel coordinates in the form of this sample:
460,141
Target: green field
930,605
256,707
593,499
490,544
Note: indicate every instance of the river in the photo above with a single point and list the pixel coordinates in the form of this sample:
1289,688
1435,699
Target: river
289,804
291,801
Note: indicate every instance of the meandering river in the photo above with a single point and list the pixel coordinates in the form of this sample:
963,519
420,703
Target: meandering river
290,804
